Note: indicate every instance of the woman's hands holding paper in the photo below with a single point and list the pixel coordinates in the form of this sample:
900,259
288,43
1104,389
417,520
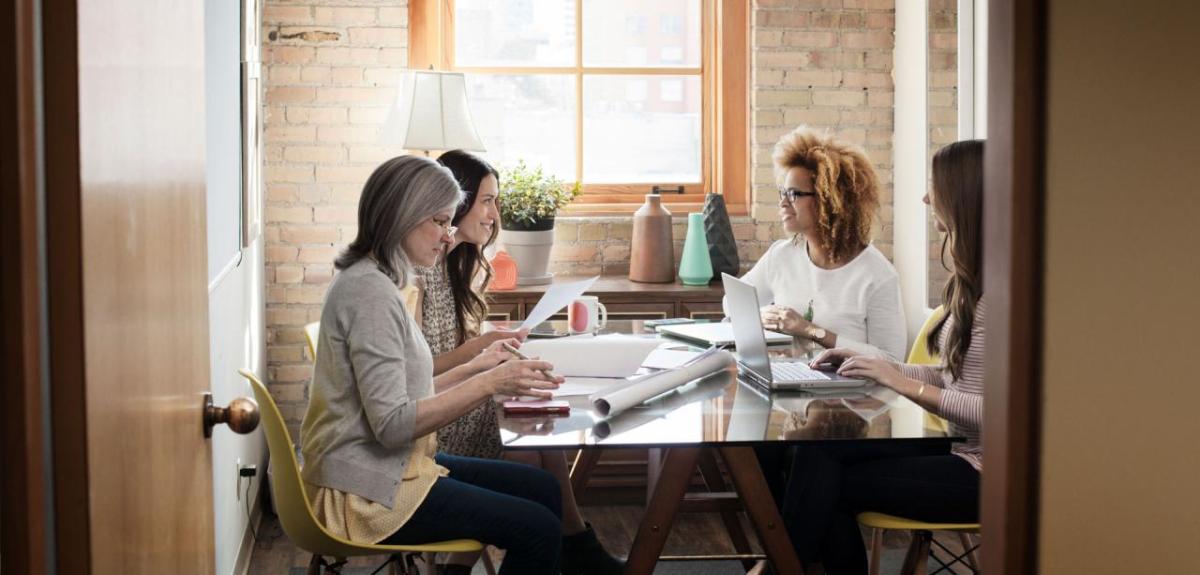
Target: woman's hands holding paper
521,377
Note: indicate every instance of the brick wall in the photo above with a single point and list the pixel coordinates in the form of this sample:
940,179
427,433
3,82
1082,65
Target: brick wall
331,67
943,116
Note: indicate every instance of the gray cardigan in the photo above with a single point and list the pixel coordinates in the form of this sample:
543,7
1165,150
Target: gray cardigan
372,366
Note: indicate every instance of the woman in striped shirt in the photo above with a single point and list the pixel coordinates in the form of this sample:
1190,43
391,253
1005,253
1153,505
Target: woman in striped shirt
832,487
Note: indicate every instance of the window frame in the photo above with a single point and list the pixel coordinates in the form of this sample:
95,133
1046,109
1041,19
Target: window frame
725,112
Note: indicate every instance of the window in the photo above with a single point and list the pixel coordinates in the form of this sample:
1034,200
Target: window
592,93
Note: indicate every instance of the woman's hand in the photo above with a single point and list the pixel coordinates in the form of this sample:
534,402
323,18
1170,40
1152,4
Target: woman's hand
881,371
487,340
831,359
517,377
784,319
486,360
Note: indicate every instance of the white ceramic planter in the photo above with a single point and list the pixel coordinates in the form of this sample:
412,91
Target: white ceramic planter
531,250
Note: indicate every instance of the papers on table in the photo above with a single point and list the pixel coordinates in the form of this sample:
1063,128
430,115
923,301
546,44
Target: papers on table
610,402
613,355
557,296
587,385
667,358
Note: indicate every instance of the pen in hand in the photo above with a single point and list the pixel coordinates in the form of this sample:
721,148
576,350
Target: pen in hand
519,355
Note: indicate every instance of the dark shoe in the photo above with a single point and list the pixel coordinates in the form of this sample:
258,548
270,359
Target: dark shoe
452,569
582,554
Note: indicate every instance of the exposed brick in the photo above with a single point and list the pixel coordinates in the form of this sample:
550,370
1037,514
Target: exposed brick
309,235
291,95
379,37
839,98
340,15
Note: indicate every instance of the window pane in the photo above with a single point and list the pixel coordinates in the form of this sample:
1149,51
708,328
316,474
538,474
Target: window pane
641,33
641,129
526,117
514,32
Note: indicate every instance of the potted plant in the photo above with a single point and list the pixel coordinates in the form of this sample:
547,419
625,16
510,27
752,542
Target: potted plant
530,200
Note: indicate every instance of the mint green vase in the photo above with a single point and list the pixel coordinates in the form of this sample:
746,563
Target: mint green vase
695,269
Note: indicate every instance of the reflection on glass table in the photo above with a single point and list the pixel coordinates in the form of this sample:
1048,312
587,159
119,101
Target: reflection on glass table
721,409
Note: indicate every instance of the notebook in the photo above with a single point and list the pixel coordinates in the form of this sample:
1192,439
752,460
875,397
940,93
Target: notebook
718,334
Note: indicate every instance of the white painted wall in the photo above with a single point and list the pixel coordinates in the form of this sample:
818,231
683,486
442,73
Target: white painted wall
910,251
236,288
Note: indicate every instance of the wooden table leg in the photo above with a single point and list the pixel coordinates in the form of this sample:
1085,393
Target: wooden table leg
585,462
733,524
760,505
677,468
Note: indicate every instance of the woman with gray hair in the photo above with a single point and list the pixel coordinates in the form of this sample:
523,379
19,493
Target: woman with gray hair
371,466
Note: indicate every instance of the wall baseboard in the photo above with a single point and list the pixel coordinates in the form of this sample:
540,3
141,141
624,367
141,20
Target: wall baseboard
246,550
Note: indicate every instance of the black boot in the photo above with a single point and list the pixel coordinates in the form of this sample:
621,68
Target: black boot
582,554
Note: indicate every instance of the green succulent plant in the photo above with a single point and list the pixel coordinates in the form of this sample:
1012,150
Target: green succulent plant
531,196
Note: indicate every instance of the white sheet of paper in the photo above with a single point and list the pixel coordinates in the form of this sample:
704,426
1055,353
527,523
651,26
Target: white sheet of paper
664,358
612,355
556,298
587,385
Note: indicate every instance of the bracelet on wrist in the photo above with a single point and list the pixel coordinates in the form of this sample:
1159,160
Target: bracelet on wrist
920,390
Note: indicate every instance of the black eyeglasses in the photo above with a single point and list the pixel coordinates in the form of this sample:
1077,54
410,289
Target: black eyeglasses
792,194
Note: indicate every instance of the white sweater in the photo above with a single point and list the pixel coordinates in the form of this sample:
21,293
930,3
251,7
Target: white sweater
859,301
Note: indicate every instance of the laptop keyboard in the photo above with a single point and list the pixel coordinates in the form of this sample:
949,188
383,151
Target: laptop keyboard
795,371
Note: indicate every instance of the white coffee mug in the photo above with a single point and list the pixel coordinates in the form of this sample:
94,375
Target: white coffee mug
586,315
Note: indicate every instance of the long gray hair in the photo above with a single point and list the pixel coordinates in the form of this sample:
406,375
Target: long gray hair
400,195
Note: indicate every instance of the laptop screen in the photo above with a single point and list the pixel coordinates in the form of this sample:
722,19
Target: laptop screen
747,326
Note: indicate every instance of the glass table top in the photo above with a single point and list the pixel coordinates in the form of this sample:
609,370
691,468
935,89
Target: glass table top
722,409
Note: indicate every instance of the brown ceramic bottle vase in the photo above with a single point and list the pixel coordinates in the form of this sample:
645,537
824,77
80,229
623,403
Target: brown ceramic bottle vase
652,254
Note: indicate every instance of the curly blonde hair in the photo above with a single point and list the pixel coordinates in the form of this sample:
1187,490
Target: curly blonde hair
846,185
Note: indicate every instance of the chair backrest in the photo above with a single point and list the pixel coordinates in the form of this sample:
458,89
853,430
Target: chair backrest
311,332
291,501
920,353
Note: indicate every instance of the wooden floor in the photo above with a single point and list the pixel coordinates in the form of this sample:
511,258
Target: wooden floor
693,534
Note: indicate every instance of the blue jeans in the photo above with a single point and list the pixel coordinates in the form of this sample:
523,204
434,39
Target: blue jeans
512,506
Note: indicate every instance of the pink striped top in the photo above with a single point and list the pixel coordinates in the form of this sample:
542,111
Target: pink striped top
962,399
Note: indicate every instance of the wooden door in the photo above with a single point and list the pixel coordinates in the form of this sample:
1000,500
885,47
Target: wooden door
125,172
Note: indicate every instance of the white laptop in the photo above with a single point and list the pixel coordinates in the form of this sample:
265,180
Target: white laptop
719,334
753,361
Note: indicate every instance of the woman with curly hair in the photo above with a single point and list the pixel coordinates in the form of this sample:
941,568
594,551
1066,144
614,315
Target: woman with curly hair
453,309
827,283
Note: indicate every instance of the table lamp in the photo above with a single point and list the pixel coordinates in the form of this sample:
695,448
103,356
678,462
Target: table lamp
431,113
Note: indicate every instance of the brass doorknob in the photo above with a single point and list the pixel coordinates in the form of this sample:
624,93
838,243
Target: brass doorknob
241,416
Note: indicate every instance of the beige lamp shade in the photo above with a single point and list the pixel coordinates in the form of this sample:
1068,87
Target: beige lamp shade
431,113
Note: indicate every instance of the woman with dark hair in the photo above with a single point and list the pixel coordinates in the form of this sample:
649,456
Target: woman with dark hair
453,309
827,283
370,464
830,487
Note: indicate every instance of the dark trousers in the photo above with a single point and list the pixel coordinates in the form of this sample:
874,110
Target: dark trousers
827,487
512,506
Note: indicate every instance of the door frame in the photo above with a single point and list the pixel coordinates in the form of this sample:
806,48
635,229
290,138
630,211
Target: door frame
25,544
1014,236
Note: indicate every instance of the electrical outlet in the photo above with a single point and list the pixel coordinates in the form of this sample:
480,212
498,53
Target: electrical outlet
237,472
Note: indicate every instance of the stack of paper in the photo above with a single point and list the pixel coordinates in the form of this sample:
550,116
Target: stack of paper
613,355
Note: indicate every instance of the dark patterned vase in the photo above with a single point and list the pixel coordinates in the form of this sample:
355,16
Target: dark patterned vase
722,249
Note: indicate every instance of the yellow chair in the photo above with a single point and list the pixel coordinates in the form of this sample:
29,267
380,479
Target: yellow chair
295,512
311,332
922,533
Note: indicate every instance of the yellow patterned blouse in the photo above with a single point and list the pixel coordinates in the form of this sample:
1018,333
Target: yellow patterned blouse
363,521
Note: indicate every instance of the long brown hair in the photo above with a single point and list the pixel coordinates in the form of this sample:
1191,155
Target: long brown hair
846,184
957,199
468,269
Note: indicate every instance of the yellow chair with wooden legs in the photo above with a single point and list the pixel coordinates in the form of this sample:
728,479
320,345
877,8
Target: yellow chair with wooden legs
919,551
295,512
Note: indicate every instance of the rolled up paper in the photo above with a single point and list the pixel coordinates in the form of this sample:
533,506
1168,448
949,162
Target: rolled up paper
670,401
613,401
